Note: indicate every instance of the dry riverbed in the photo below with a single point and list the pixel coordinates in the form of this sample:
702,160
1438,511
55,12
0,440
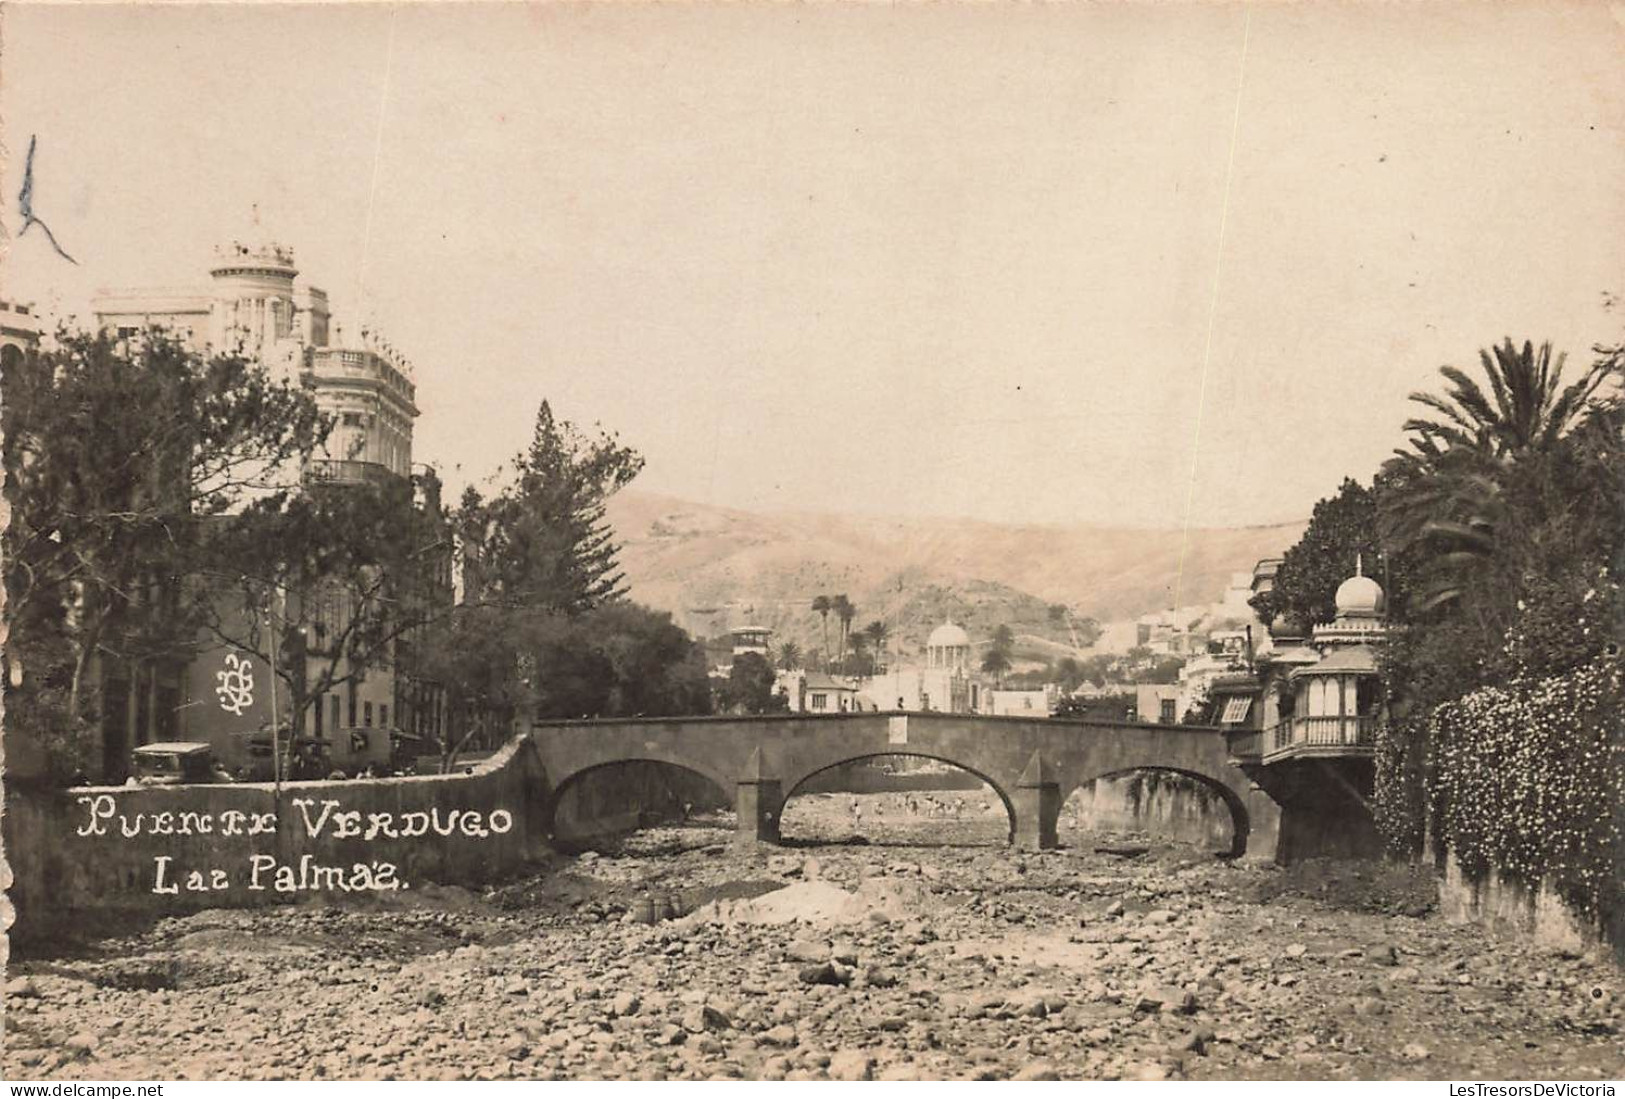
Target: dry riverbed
905,957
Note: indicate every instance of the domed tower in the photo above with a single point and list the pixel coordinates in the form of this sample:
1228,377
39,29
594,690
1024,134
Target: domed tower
1360,605
948,647
254,304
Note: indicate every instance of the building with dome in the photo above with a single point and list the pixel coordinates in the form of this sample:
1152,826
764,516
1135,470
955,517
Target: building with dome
1302,720
945,683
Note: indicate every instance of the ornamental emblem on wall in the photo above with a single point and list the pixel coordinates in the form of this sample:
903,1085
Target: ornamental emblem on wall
236,689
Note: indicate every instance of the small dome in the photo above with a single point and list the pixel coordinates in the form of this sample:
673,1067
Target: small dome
948,636
1359,597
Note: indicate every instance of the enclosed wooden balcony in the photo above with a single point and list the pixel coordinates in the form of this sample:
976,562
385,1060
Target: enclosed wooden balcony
1330,735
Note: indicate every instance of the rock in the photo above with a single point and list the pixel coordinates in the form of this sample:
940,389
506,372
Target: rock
699,1019
811,951
899,1072
1038,1070
1114,909
851,1064
624,1004
82,1044
1370,1006
1174,1001
1194,1042
876,977
670,1035
830,973
844,952
1296,950
1160,916
1415,1051
21,988
782,1036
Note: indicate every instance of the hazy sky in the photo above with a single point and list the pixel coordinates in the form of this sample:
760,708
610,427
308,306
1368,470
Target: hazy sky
923,259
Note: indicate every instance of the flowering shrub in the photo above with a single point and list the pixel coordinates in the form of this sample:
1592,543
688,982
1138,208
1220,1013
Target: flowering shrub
1529,780
1398,797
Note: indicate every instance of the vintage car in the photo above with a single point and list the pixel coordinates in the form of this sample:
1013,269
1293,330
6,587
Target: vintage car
171,763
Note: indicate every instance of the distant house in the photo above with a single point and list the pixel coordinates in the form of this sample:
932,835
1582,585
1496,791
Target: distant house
1038,703
1157,703
816,693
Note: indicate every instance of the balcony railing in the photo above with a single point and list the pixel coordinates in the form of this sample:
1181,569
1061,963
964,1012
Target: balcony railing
347,471
1355,733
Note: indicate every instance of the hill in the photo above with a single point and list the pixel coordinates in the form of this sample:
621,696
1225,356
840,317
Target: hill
715,568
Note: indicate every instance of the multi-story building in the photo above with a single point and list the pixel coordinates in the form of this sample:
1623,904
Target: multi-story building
255,305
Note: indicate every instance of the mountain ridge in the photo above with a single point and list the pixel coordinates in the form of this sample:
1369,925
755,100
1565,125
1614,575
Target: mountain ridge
716,567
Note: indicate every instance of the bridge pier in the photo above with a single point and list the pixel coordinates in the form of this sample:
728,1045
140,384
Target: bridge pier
1038,806
760,802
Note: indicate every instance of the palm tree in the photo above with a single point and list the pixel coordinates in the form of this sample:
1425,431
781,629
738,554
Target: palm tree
789,656
846,612
822,606
877,632
1449,489
996,663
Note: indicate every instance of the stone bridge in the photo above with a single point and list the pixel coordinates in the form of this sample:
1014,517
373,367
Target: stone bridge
1033,764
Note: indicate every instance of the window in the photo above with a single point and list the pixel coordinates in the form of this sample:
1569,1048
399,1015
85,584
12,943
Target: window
353,721
318,719
383,714
333,709
1168,717
819,701
1235,711
366,714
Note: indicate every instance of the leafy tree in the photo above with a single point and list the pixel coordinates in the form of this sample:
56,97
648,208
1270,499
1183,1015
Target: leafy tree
1343,530
750,686
877,634
119,457
789,656
322,584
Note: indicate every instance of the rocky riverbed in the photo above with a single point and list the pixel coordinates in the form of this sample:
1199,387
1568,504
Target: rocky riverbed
929,952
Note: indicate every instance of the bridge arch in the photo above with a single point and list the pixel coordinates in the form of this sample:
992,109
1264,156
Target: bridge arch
795,787
1232,798
576,784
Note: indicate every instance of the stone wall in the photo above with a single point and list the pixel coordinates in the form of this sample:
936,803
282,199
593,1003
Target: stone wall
1509,908
1159,803
118,852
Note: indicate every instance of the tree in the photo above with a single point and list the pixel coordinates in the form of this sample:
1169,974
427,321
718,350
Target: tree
877,633
1343,532
846,612
750,686
789,656
1455,483
120,457
321,585
821,606
995,663
543,541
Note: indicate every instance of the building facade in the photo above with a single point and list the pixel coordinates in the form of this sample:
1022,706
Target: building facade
254,304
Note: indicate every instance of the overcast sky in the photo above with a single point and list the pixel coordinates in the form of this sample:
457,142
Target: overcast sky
912,259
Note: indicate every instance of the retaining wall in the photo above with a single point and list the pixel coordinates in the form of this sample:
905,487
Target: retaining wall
147,851
1510,908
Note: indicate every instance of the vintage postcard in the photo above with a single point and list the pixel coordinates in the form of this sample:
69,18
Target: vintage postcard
813,541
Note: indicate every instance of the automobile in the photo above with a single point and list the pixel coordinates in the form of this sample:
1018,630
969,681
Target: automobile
176,762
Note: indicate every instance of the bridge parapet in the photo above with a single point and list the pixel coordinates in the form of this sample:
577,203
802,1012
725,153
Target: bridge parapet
1032,764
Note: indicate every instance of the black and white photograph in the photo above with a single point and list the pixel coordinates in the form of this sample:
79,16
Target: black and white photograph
813,541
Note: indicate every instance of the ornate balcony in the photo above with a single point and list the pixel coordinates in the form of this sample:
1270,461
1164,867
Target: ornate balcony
1320,736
